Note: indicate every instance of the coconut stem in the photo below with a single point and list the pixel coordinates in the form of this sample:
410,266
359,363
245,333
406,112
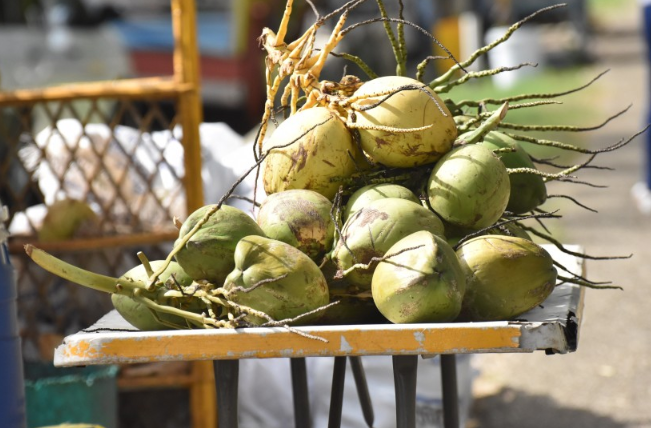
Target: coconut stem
589,284
573,200
483,50
400,66
420,68
561,247
81,276
390,129
478,74
145,263
521,97
488,125
195,319
569,147
375,260
357,61
548,176
568,128
411,24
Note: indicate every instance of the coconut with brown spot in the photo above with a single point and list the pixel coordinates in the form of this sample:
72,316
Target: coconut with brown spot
421,280
506,276
301,218
402,122
312,150
371,231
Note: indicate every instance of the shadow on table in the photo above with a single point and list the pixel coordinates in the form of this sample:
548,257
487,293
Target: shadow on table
510,408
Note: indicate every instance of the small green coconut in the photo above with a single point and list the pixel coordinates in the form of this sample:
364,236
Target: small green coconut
311,150
371,231
208,255
469,187
422,282
506,276
139,315
301,218
66,219
277,279
372,192
411,108
528,190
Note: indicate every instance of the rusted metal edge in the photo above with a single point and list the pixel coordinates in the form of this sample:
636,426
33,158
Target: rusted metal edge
560,335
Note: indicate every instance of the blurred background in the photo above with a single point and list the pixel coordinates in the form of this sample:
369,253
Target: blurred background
47,43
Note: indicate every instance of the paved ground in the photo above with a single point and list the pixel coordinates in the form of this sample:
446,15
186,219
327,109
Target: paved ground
607,382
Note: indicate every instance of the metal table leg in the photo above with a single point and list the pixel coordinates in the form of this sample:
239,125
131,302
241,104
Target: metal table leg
337,392
226,382
404,376
449,390
300,393
362,389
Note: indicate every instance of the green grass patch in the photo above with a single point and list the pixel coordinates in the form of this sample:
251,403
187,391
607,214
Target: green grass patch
608,7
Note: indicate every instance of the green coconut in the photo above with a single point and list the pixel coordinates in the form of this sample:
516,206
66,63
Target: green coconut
469,187
528,190
301,218
371,231
66,219
139,315
405,109
311,150
372,192
208,255
277,279
422,282
506,276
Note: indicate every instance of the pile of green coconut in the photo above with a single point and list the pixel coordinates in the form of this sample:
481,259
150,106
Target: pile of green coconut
385,201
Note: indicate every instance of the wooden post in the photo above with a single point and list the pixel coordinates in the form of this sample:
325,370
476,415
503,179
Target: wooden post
186,72
203,397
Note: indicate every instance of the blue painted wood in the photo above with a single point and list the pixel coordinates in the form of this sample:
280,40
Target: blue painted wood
12,393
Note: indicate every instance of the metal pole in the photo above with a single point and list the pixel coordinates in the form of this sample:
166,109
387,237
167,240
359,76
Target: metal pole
226,382
362,389
337,392
300,393
449,390
404,376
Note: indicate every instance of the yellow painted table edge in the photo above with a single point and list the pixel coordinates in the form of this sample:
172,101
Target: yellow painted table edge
174,345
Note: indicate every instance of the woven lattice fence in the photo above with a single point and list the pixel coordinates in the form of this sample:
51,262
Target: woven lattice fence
115,163
94,173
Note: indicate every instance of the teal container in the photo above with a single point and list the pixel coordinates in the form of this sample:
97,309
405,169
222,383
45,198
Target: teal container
76,395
